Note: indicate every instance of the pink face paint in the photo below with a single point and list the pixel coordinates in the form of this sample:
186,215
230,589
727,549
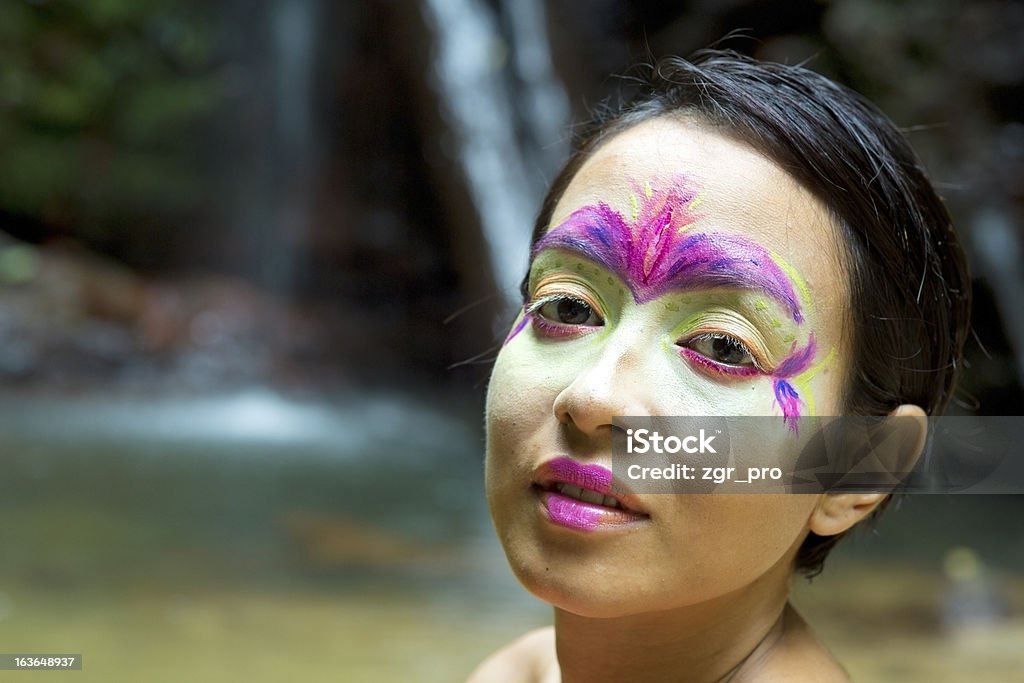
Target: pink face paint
655,254
734,370
785,395
789,403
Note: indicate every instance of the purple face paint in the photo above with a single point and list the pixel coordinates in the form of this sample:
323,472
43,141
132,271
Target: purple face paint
789,403
797,361
517,329
656,254
785,395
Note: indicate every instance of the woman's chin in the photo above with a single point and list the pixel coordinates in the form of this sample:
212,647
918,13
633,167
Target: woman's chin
583,603
585,592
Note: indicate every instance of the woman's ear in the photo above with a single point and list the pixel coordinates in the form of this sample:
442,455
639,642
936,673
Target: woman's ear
837,512
914,426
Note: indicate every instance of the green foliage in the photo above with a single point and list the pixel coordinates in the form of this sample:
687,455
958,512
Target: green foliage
101,108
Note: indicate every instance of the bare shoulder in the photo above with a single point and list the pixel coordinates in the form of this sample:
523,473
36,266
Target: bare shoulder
798,657
527,659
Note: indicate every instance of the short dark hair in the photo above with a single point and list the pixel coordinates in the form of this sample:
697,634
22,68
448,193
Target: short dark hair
909,284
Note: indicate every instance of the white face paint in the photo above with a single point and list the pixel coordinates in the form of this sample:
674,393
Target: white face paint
612,331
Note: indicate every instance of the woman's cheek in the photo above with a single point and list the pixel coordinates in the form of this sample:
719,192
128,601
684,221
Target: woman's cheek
517,402
500,410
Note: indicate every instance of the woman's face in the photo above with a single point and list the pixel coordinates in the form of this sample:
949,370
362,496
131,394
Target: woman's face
683,274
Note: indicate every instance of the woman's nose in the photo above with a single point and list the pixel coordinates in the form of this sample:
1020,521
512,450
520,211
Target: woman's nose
614,384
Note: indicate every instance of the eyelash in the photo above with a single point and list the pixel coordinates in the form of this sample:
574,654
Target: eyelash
707,363
552,328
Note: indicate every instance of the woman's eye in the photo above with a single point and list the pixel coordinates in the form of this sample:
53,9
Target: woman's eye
570,311
723,349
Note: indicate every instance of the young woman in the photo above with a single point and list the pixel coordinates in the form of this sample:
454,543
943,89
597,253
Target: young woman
744,238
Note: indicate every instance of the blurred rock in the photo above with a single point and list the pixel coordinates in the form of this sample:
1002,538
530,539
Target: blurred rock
70,317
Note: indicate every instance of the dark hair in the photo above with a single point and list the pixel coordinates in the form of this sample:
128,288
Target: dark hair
909,285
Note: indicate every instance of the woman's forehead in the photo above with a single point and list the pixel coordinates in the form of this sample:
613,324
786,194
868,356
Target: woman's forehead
729,188
735,180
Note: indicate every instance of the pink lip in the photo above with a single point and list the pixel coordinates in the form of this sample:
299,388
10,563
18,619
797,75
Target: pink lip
595,477
578,514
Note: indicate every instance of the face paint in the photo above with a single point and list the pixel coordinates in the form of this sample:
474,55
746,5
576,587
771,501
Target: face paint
518,327
786,396
656,254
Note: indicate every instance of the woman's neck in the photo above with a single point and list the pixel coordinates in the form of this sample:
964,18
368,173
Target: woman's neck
703,643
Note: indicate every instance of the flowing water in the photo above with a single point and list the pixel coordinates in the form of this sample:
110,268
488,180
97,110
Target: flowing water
255,535
481,98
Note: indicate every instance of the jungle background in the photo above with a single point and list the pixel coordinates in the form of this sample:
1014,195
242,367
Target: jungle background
254,258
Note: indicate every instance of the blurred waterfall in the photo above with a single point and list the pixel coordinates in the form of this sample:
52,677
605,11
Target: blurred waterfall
293,40
268,135
545,106
505,172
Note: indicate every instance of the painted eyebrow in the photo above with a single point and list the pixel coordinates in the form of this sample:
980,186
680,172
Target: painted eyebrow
657,255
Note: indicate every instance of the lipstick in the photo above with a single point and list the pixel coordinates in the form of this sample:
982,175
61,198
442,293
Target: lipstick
581,496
